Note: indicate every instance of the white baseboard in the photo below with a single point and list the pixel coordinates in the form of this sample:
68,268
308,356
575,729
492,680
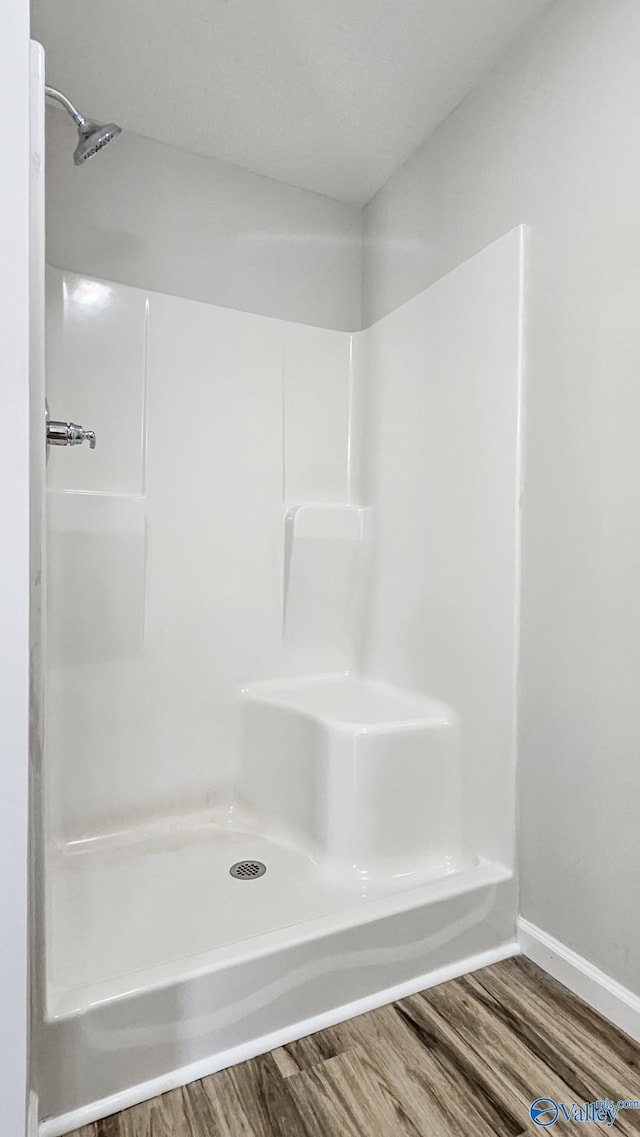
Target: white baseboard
57,1126
608,997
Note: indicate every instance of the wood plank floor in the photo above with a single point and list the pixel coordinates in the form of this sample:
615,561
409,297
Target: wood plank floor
465,1059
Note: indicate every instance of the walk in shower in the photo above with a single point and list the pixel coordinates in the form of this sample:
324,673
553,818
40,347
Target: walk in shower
281,651
281,633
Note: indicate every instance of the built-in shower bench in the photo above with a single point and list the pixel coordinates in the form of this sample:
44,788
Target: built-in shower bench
367,772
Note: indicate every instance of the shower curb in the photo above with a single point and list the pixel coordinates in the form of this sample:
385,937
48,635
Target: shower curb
96,1111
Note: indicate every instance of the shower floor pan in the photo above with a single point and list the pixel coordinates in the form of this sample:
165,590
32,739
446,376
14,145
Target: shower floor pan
163,967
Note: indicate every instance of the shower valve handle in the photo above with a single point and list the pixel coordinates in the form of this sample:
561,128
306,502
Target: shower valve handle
69,434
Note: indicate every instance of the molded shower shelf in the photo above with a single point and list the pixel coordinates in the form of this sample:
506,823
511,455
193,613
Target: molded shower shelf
368,773
324,575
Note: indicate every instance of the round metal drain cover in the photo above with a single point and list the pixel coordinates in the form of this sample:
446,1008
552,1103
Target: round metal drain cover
248,870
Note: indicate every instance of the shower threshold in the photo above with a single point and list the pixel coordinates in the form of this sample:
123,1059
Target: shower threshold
162,966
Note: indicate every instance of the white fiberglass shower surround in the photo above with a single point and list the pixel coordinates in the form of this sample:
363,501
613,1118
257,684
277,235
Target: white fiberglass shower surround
282,611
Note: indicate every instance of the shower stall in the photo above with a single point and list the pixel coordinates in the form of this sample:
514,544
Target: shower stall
280,669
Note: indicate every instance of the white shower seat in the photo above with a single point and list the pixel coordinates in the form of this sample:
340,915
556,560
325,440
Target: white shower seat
367,773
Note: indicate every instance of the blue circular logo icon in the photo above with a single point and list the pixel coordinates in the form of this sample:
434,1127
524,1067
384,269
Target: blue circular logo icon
544,1112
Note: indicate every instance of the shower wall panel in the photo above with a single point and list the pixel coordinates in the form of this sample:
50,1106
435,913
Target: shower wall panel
167,543
443,473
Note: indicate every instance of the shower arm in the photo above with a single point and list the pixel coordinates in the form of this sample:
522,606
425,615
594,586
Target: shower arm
58,97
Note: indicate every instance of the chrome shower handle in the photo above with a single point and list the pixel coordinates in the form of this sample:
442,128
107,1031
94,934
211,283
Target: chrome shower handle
69,434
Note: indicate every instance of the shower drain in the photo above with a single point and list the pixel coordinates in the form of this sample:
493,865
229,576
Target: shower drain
248,870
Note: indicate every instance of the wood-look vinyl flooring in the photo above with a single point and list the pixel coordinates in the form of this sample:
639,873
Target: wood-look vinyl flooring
464,1059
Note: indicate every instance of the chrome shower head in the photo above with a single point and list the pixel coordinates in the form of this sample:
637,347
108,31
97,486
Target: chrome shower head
92,136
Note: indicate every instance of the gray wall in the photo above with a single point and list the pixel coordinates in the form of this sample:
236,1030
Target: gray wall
552,139
161,218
